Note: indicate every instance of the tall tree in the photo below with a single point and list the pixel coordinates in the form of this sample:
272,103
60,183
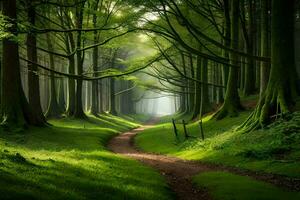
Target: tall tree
70,44
197,88
33,77
112,105
53,110
191,87
226,41
16,112
249,35
79,113
278,97
232,104
95,86
265,45
206,105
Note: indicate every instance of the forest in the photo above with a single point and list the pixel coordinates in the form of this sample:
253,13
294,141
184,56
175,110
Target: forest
150,99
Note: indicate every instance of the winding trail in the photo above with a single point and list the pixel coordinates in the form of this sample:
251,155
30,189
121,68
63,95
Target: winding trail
179,173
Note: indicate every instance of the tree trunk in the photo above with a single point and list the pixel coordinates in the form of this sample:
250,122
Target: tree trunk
232,104
206,106
95,87
185,87
265,47
53,110
71,88
281,89
249,85
16,112
227,42
61,95
112,108
100,94
191,88
197,89
79,113
33,77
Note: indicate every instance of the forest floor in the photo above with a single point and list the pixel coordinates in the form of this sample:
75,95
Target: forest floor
195,180
69,161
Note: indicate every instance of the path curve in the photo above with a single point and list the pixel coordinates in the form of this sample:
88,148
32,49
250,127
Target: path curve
179,173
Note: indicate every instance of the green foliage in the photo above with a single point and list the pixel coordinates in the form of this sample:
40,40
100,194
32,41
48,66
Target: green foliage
69,161
4,25
227,186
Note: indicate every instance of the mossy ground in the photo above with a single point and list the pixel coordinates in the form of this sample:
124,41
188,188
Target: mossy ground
69,161
275,149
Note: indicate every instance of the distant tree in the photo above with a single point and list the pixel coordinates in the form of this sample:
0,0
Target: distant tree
53,110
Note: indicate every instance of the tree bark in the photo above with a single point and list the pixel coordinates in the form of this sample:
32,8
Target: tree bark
53,110
16,112
71,87
33,77
249,85
232,104
61,95
197,89
112,108
227,42
95,87
79,113
191,87
278,99
185,97
265,47
206,106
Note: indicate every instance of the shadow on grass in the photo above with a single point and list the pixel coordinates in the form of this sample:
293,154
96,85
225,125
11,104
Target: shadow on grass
102,121
69,161
98,176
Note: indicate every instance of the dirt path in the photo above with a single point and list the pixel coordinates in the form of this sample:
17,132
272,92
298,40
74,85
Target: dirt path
179,173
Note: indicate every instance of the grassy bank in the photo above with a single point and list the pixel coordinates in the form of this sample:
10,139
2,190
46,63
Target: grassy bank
227,186
275,149
69,161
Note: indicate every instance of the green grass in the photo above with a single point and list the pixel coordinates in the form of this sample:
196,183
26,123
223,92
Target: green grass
161,138
275,149
227,186
177,116
140,118
69,161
